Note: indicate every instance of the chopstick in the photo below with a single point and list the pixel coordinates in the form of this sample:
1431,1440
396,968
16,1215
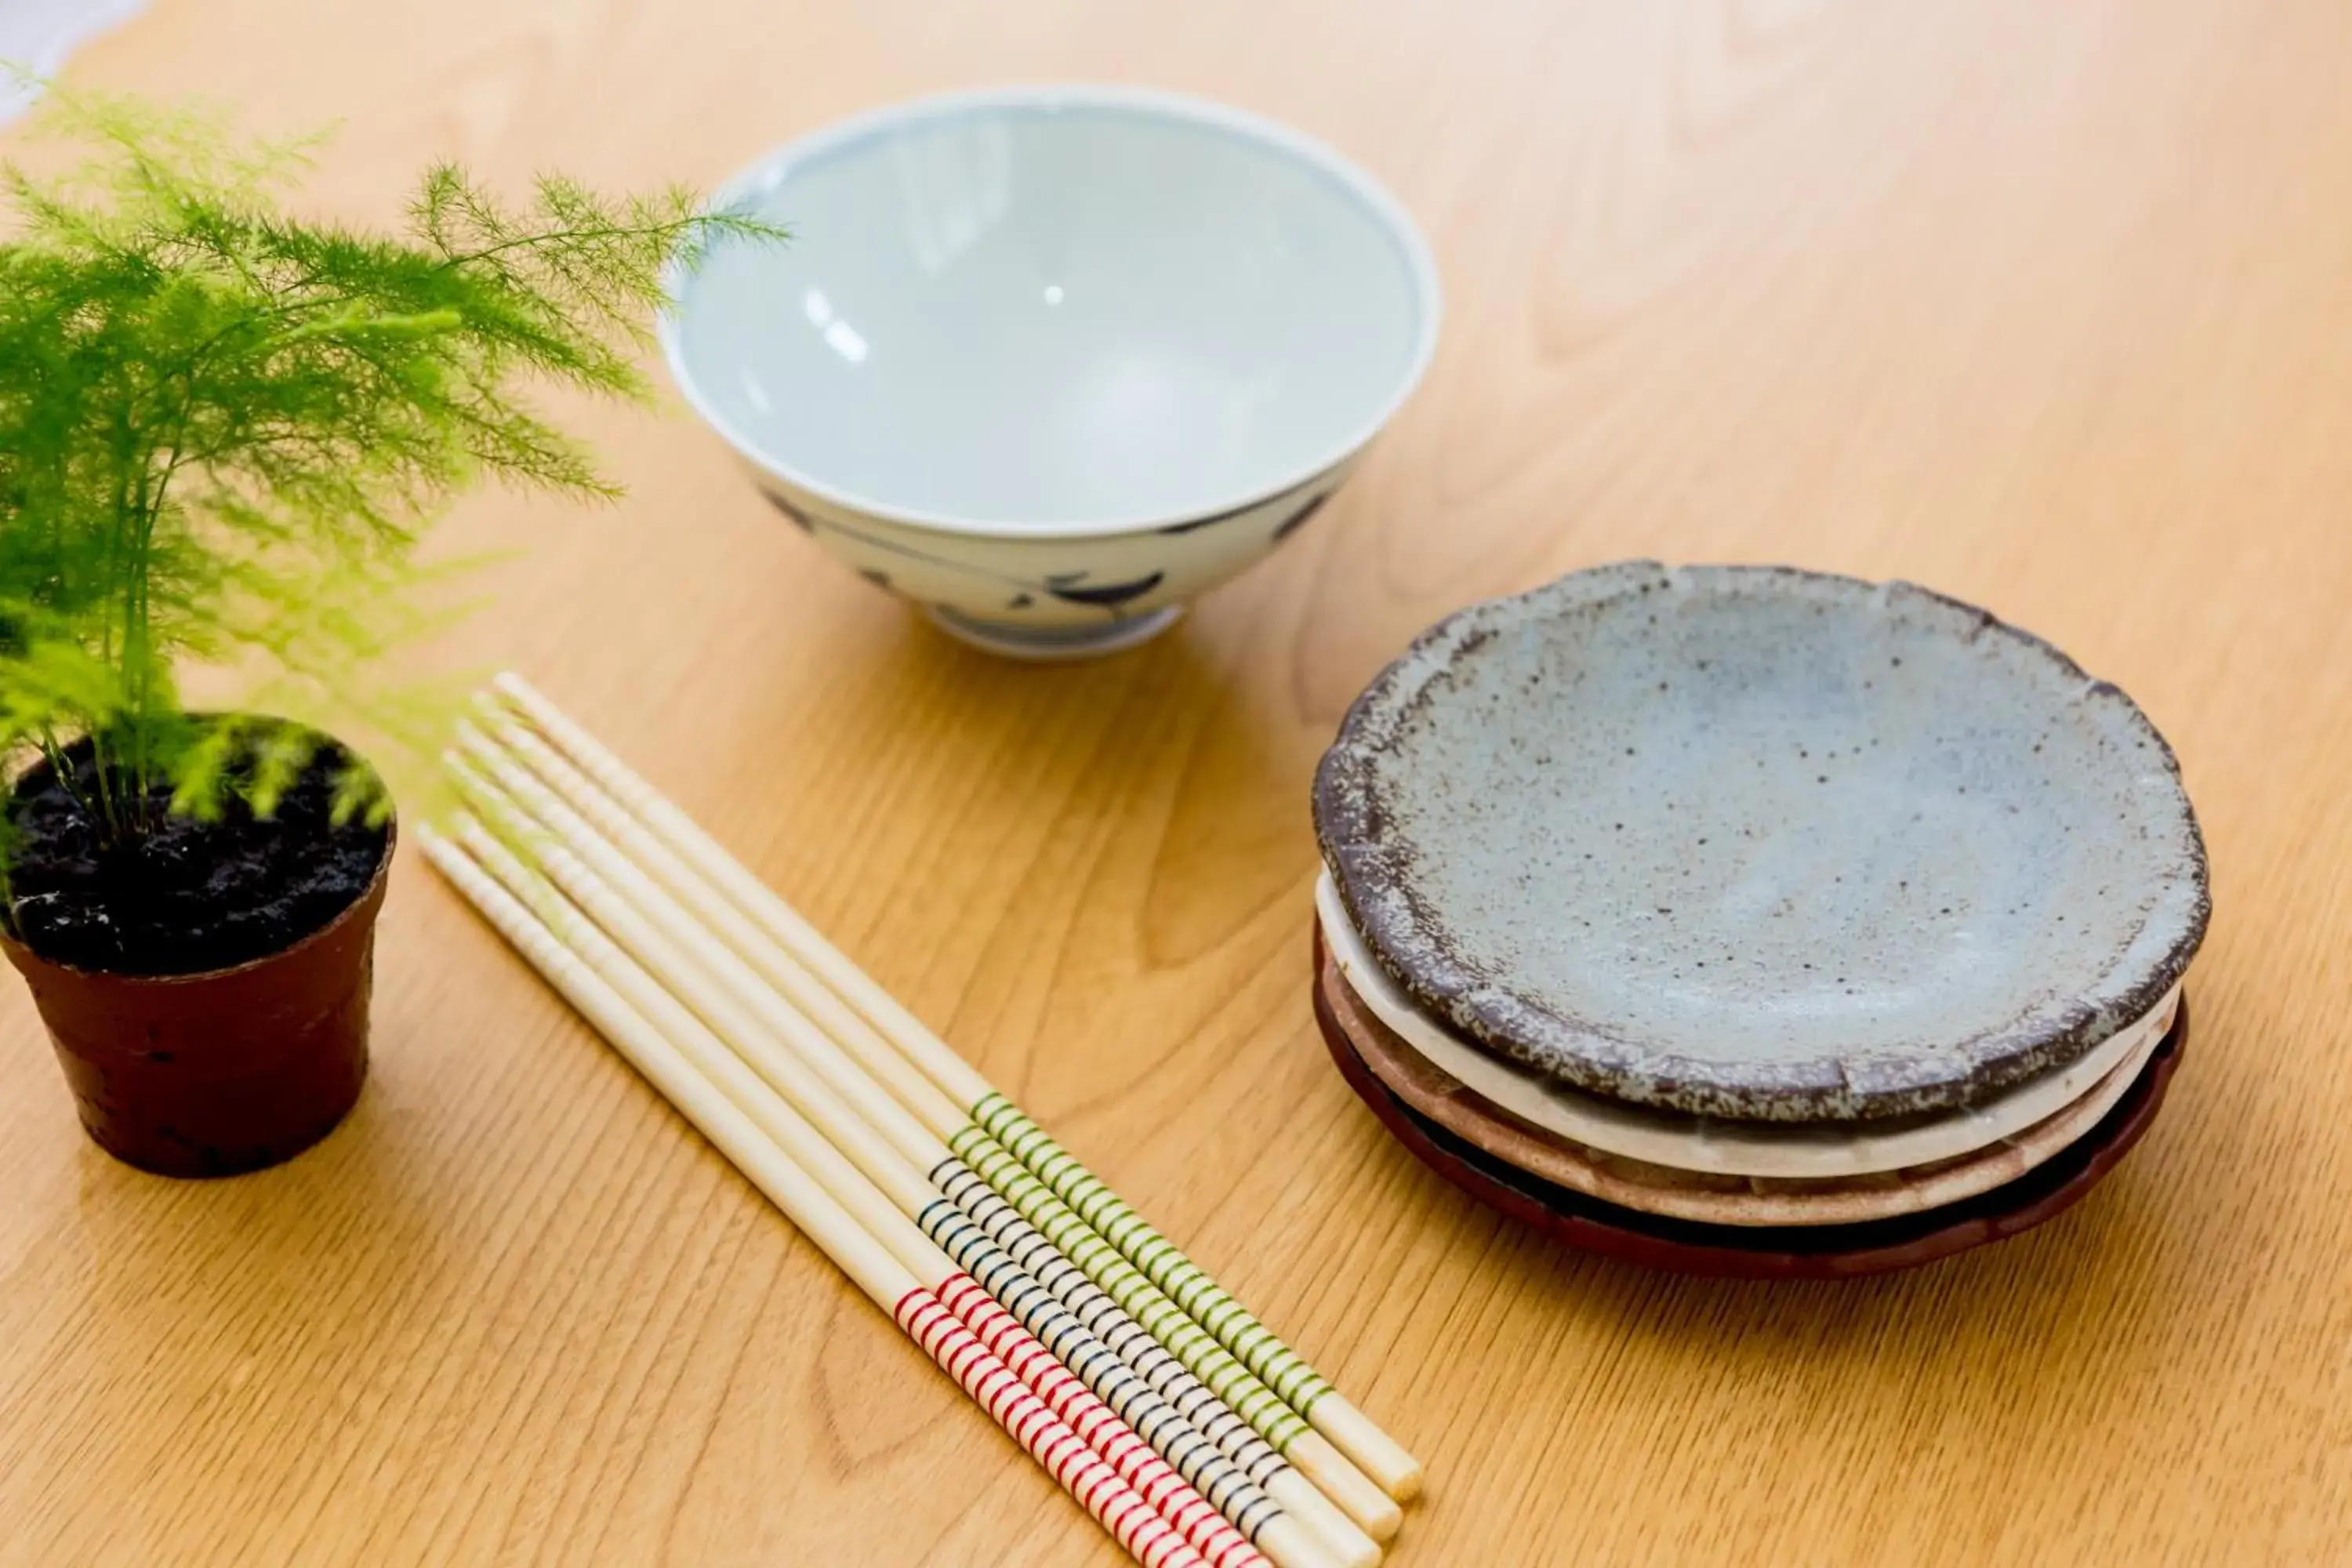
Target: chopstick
896,1046
595,825
911,1301
693,1007
867,1193
805,1063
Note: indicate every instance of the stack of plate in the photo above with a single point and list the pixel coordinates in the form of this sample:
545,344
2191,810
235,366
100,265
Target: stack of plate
1751,920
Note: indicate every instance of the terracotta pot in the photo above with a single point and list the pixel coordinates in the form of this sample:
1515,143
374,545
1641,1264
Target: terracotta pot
228,1070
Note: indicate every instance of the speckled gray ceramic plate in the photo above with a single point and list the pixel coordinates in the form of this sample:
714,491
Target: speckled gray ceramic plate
1762,843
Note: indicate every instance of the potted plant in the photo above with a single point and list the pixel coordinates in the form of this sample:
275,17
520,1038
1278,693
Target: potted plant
220,426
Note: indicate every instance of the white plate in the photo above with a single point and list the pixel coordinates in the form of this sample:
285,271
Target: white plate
1757,1201
1716,1147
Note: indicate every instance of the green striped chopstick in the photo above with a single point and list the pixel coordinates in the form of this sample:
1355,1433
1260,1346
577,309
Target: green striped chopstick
985,1119
912,1281
526,818
592,825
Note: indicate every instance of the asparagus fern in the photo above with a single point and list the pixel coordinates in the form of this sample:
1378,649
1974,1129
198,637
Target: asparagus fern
224,427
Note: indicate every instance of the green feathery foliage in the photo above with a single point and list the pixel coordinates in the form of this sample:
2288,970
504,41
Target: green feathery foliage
221,429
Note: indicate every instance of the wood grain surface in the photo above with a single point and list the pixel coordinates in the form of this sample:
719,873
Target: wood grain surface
2047,305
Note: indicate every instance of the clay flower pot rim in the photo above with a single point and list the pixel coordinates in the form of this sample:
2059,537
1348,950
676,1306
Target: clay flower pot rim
8,939
365,897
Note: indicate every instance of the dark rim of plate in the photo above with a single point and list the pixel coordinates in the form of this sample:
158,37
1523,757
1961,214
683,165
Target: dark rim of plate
1829,1251
1371,871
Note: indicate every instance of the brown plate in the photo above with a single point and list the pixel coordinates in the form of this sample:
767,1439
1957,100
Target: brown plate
1685,1247
1679,1192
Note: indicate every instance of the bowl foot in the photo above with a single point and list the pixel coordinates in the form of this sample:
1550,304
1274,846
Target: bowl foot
1053,644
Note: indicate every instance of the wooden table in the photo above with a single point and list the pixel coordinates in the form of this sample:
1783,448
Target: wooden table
2049,306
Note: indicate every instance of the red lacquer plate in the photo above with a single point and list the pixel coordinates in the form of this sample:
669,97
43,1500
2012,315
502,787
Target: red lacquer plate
1814,1252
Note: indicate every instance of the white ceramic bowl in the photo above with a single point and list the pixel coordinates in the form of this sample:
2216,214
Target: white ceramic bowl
1050,361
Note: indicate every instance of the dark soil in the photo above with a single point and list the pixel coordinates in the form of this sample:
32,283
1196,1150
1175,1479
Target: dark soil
190,896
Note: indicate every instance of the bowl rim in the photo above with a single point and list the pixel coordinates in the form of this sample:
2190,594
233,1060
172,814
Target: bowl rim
766,172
